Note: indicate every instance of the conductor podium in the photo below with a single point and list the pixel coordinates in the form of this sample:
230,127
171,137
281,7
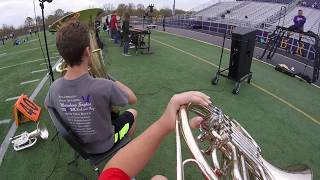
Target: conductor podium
242,47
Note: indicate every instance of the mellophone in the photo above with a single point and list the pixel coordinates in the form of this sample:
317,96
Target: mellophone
233,152
26,140
137,38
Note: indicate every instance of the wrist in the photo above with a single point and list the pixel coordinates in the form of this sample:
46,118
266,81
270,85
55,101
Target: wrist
164,126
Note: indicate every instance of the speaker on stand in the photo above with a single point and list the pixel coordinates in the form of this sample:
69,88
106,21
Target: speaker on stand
242,48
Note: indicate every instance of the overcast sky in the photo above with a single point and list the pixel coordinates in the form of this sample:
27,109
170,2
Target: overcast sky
14,12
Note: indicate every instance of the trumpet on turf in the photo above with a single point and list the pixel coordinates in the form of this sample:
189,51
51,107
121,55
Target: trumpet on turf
233,152
26,140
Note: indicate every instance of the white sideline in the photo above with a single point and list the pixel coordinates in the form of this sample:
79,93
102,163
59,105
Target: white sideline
33,40
3,54
5,121
46,63
27,62
5,144
32,49
204,42
40,70
31,81
12,98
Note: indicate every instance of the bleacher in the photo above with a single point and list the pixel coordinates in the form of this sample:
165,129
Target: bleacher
254,12
311,3
217,9
258,12
274,1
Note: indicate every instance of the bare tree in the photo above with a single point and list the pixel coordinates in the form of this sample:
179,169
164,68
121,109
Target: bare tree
140,10
122,8
29,22
108,7
166,12
38,20
59,13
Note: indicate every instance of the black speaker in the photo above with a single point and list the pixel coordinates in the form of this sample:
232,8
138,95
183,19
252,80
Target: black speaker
242,47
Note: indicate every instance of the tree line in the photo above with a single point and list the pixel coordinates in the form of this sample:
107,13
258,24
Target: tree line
134,10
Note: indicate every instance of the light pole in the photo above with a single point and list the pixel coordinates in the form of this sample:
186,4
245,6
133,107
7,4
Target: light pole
174,8
45,37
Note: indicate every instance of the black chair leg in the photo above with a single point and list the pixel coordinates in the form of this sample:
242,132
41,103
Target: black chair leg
75,160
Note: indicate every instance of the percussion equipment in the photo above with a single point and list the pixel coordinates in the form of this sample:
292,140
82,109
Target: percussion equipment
137,38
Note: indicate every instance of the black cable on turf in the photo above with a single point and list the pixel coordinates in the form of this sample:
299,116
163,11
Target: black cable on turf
44,57
57,159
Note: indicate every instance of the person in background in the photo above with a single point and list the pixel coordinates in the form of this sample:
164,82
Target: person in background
164,23
114,28
107,24
132,158
2,39
298,25
125,34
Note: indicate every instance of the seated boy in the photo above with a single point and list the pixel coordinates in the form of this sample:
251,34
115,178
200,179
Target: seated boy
85,103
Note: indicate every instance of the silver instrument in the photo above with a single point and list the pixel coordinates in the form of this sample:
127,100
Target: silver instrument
26,140
234,153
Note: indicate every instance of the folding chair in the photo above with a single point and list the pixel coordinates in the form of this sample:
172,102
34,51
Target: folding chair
73,141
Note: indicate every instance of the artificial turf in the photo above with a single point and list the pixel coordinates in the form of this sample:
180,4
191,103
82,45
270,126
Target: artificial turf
285,135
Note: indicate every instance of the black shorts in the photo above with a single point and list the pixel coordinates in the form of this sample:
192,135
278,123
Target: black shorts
296,29
122,125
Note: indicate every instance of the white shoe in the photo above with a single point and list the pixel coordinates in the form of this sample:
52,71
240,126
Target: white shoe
127,55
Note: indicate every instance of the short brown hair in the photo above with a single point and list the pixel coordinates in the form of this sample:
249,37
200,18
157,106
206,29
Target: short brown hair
71,41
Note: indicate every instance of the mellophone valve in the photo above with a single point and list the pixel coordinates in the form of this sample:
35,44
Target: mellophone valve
234,153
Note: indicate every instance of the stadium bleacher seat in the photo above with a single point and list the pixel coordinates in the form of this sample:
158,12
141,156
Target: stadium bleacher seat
257,12
217,9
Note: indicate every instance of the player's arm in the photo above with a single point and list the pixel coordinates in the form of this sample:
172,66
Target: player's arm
132,99
132,158
304,20
295,20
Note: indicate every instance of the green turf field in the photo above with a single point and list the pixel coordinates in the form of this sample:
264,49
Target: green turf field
280,112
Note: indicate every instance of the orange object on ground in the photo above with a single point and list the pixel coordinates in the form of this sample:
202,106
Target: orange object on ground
25,110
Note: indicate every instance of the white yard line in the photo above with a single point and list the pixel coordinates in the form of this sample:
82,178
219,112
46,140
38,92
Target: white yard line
227,48
5,144
26,62
31,49
177,35
40,70
12,98
47,63
32,40
3,54
31,81
5,121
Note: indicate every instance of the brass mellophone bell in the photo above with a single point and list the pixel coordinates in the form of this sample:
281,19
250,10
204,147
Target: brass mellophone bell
233,152
26,140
